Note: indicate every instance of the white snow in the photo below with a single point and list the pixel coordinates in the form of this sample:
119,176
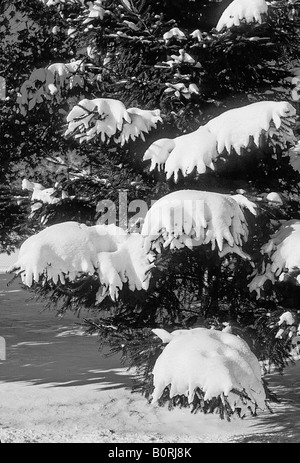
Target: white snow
214,361
95,11
275,198
286,317
174,32
233,129
192,218
294,155
39,193
69,249
106,116
283,256
239,10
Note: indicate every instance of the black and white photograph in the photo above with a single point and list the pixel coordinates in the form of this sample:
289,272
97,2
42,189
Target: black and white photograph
149,224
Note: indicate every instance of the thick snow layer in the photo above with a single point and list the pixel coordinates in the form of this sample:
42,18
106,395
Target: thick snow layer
214,361
106,117
175,32
239,10
69,249
233,129
283,256
286,317
191,218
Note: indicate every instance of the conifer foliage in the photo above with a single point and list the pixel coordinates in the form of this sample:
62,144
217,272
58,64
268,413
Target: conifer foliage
186,257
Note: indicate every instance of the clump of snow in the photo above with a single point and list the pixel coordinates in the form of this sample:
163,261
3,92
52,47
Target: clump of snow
180,89
182,57
289,329
39,192
275,198
105,116
67,250
175,32
129,264
282,254
286,317
242,10
214,361
192,218
95,11
234,129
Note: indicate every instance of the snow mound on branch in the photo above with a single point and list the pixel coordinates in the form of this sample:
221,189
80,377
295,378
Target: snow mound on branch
216,362
242,10
192,218
174,32
234,129
67,250
282,254
95,11
39,192
105,117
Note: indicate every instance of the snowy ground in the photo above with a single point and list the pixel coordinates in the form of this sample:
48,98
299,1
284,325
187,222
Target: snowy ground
56,387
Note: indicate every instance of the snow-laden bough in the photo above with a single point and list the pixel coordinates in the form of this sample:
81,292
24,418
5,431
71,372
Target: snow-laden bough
107,118
282,257
47,83
217,363
236,129
242,10
66,251
192,218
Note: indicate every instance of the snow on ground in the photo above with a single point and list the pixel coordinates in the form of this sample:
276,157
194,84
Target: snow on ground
56,387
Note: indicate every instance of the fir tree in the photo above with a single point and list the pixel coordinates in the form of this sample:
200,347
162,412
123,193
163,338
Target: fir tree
102,89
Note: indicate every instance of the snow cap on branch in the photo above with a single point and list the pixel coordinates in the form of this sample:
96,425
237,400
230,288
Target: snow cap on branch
271,119
242,10
192,218
106,117
282,254
233,129
66,251
216,362
175,32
